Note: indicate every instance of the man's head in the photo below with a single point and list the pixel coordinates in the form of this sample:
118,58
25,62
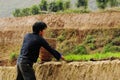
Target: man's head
39,27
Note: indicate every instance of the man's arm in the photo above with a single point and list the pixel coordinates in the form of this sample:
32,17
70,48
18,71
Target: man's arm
55,53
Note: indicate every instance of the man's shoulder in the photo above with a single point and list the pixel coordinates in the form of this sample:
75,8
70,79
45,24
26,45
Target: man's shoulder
27,34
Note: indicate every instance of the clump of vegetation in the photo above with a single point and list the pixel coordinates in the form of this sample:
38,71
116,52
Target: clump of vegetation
61,38
35,10
90,42
92,46
89,39
66,4
27,11
76,11
43,5
62,6
111,48
102,4
82,3
59,4
116,41
97,56
17,13
113,3
80,49
13,56
53,6
107,48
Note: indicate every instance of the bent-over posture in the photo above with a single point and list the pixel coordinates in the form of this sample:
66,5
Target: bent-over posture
30,52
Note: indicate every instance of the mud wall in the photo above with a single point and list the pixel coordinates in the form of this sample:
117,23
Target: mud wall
82,21
71,28
100,70
66,39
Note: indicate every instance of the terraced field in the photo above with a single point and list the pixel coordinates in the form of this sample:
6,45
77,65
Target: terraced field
69,30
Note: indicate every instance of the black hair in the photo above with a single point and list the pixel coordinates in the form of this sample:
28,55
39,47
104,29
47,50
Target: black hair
38,26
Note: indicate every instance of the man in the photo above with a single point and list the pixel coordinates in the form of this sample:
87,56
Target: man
30,51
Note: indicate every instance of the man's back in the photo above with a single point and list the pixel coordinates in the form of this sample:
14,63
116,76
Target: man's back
30,48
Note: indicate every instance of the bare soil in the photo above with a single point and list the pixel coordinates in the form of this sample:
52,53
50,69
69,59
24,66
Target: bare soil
12,30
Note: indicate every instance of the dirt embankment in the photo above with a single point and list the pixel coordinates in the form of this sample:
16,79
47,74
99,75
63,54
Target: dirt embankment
82,21
61,26
100,70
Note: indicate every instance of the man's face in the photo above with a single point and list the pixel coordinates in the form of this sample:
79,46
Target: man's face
41,33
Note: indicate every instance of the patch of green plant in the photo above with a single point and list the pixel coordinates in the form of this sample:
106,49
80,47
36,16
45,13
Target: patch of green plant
116,33
114,3
80,49
25,11
43,5
110,48
13,56
116,41
92,46
89,39
52,6
59,4
66,4
106,48
66,46
61,38
50,33
82,3
17,13
102,4
35,9
87,57
76,11
55,6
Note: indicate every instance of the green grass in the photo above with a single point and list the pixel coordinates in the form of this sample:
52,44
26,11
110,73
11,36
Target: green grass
13,56
97,56
74,11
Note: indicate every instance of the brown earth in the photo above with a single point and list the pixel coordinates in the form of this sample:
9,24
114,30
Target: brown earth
82,21
99,70
74,27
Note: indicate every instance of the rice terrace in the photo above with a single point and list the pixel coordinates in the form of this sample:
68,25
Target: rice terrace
88,39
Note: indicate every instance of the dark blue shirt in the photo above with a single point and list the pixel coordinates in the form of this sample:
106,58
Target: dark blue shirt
31,48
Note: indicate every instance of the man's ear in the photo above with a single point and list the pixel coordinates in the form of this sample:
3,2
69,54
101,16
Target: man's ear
41,33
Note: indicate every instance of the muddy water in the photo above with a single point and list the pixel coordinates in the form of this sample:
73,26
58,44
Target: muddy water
100,70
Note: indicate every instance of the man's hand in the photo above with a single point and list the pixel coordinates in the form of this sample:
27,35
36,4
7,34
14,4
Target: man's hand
62,58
